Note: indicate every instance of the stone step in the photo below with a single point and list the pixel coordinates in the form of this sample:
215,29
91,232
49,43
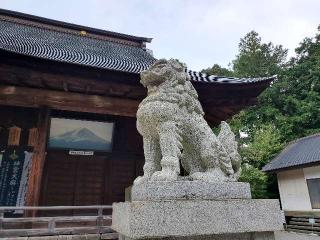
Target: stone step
301,231
108,236
105,236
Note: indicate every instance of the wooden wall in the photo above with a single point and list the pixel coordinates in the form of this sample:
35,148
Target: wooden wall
24,118
81,180
98,179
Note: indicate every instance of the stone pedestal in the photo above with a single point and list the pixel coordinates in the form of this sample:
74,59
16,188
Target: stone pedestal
196,210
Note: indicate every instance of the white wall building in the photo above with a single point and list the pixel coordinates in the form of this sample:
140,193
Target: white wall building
298,172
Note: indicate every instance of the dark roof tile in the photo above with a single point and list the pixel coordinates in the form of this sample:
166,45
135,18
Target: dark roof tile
56,23
60,46
301,152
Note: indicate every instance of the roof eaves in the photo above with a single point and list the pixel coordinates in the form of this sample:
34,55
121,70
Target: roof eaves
71,63
291,167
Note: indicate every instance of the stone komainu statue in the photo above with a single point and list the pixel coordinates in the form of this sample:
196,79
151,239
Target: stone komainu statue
170,119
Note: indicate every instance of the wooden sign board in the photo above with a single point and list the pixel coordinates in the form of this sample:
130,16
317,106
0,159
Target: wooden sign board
33,137
83,153
14,136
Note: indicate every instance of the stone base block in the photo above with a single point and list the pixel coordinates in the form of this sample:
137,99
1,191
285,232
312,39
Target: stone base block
177,190
196,218
239,236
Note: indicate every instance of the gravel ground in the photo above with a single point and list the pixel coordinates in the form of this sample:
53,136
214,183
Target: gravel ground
283,235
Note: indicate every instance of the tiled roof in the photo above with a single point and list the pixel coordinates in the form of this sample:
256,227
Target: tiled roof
203,77
301,152
71,48
78,49
70,26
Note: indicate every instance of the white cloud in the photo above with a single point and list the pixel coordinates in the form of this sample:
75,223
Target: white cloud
199,32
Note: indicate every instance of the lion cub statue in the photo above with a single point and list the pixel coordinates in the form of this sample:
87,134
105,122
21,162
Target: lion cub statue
170,119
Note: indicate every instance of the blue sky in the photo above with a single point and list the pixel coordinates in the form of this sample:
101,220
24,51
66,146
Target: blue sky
198,32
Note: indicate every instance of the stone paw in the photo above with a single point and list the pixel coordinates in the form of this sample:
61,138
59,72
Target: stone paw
141,179
164,176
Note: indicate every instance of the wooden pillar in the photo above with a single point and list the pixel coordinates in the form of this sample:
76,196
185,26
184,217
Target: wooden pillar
38,159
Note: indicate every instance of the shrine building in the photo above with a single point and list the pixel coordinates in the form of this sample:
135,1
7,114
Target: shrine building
68,101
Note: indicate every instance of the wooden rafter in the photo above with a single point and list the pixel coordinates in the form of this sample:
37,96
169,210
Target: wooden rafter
29,97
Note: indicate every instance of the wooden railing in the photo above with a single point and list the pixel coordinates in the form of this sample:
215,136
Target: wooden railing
96,223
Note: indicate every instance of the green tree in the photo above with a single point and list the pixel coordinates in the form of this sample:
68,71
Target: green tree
256,59
291,103
287,110
217,70
265,144
257,179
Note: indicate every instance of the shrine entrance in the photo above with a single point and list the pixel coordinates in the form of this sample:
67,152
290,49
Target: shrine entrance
97,79
71,180
85,161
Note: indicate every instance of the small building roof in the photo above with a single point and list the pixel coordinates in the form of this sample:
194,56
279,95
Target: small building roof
302,152
64,42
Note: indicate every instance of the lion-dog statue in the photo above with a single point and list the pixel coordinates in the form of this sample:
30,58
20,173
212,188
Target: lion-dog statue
174,131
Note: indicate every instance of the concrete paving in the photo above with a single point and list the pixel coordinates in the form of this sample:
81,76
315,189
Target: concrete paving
283,235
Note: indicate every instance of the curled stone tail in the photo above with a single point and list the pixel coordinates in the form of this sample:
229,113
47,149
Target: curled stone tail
227,140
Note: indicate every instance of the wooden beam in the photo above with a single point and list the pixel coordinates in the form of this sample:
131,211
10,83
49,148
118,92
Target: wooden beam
31,97
38,159
10,74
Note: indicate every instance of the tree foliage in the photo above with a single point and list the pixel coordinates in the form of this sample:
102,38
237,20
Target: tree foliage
217,70
256,59
256,153
257,180
292,102
265,144
287,110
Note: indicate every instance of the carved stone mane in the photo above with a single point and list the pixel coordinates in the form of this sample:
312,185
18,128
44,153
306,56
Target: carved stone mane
175,88
170,119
